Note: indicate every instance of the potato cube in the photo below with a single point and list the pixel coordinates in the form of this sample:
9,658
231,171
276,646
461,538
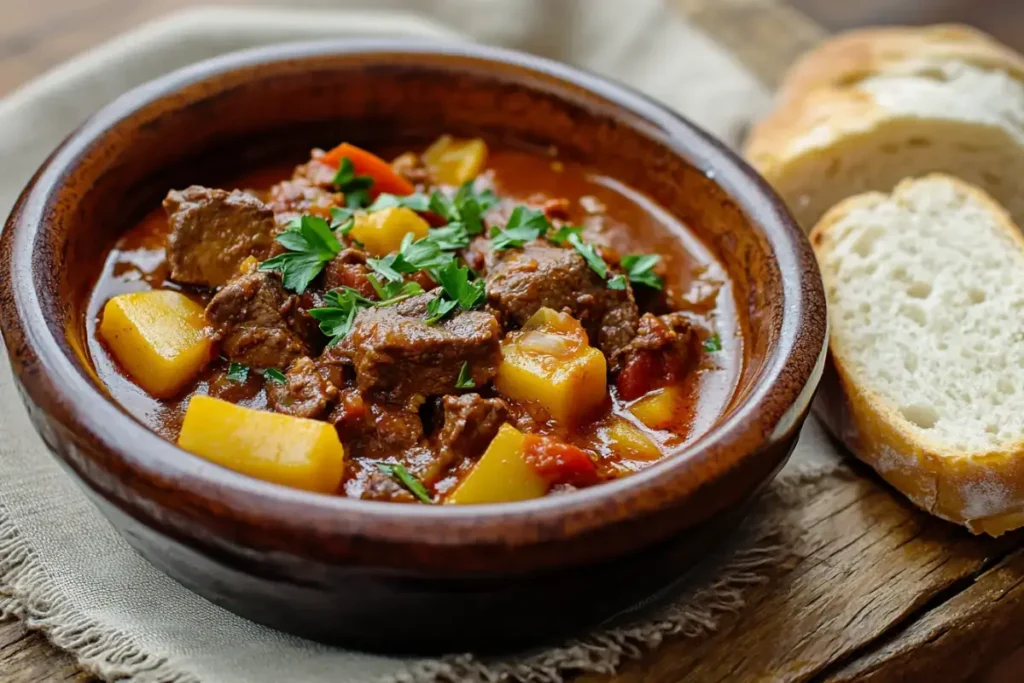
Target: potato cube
551,363
381,232
628,441
158,337
291,451
454,161
661,409
501,475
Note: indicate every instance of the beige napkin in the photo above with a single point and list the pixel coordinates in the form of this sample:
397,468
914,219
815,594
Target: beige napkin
65,571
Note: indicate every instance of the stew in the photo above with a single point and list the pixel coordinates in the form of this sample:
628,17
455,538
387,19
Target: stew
460,325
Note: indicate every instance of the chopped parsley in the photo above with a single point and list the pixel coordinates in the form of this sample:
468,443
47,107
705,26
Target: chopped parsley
524,225
640,270
411,257
275,375
457,291
713,343
311,245
416,201
355,187
238,373
342,220
466,208
411,483
342,305
618,282
465,380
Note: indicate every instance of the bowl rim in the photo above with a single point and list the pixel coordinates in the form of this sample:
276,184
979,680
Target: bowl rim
769,412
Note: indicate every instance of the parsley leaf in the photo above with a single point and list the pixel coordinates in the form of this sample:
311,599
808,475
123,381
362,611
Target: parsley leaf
451,237
640,268
466,208
337,316
454,280
355,187
561,236
713,343
342,220
310,244
275,375
342,305
394,291
465,380
618,282
416,201
411,257
238,373
589,254
524,225
438,308
411,483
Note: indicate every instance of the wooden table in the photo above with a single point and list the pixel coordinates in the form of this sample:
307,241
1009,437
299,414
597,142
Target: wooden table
879,592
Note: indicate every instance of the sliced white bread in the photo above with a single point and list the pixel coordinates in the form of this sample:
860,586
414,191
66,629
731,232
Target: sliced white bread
848,58
917,119
925,380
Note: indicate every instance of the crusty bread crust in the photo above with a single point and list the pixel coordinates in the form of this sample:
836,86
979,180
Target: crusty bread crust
844,59
982,491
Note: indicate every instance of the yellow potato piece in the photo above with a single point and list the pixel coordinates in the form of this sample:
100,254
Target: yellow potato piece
158,337
381,232
501,475
660,409
628,441
291,451
551,363
454,161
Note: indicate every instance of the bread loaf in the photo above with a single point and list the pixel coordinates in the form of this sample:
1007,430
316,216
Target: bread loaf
925,379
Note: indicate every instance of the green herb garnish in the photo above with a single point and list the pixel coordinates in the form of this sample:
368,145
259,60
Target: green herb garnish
465,208
524,225
713,343
342,305
275,375
355,187
438,308
589,254
238,373
311,245
416,201
342,220
465,380
640,269
411,257
618,282
411,483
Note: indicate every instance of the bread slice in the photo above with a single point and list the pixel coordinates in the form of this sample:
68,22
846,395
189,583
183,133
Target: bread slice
925,380
917,119
851,57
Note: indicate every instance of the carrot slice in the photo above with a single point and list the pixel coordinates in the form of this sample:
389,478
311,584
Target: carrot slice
365,163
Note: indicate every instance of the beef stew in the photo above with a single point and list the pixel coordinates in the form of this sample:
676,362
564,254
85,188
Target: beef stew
462,325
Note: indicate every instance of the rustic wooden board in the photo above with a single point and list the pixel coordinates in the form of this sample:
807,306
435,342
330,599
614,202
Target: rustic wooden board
876,592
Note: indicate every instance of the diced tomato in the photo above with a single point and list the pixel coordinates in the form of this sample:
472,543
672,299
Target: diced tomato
559,462
364,163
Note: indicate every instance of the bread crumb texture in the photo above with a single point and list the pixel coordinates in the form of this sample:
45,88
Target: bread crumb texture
926,295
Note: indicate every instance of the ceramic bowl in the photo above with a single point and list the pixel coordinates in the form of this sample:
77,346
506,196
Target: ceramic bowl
379,575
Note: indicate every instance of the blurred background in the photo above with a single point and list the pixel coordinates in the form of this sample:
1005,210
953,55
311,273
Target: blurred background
35,35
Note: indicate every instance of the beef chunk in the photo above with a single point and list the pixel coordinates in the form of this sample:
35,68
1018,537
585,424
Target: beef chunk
213,231
660,354
396,355
310,190
470,422
523,280
377,430
259,324
307,392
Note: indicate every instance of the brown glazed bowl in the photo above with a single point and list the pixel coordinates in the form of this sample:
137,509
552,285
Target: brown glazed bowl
380,575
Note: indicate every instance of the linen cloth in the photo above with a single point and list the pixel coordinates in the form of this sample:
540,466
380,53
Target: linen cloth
62,567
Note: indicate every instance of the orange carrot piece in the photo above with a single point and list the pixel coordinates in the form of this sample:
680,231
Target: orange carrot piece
365,163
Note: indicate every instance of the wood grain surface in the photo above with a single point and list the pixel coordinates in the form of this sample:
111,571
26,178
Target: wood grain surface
877,592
